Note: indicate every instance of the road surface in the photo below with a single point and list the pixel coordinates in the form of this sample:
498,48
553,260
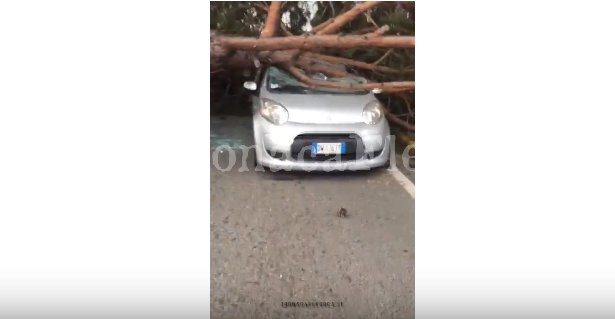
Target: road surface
277,238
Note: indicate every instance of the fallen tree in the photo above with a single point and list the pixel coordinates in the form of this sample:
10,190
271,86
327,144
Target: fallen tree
314,50
315,42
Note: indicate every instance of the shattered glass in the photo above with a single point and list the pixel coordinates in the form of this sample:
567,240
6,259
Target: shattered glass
232,132
280,78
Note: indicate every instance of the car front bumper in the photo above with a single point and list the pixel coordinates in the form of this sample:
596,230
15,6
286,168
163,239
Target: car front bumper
276,146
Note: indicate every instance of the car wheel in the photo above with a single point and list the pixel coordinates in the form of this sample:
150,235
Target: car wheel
255,160
259,168
383,167
386,165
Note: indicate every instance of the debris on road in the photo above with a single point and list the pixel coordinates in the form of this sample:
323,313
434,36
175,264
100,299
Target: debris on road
228,133
342,212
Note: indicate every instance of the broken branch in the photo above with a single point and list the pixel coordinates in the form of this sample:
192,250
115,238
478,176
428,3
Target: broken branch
398,121
362,86
384,56
359,64
272,20
343,18
380,31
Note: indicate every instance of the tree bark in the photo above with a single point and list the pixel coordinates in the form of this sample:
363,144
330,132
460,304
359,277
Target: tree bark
221,56
313,42
273,17
364,86
359,64
321,26
345,17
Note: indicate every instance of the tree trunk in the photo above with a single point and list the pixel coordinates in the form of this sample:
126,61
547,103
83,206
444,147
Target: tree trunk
315,42
240,52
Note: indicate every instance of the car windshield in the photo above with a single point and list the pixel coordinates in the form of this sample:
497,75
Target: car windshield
280,81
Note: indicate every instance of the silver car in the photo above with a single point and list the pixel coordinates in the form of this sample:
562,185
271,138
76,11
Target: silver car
301,128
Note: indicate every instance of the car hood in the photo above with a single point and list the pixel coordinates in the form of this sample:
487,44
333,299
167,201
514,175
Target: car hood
323,109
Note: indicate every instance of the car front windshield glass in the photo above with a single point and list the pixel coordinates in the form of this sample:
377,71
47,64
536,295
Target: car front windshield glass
280,81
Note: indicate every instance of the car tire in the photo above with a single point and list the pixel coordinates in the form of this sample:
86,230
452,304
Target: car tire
255,160
383,167
386,165
256,165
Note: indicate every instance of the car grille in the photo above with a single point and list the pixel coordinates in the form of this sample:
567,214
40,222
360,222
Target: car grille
354,147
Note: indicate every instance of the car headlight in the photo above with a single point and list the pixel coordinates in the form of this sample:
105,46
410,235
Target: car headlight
372,113
273,112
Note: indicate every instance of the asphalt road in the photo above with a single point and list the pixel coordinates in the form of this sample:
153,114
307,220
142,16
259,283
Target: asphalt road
278,238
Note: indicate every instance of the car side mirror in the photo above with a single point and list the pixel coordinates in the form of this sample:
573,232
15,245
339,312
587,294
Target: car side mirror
377,91
250,85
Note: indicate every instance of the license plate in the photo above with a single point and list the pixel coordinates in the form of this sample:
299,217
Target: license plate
328,148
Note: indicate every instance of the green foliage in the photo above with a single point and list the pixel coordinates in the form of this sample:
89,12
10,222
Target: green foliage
240,18
245,19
